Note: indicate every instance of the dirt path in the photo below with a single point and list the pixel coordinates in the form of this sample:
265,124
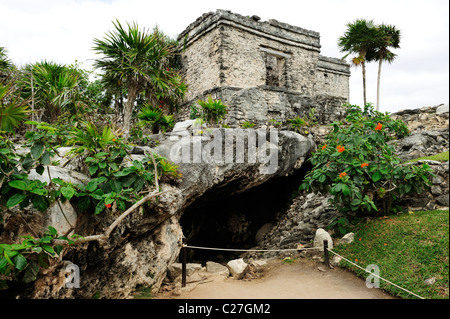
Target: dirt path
300,280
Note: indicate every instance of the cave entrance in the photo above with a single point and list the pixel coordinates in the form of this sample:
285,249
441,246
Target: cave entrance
219,220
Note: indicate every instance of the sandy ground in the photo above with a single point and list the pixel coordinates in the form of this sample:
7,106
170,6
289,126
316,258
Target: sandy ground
300,280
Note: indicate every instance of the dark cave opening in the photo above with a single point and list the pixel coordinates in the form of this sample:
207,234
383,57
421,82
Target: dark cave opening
219,220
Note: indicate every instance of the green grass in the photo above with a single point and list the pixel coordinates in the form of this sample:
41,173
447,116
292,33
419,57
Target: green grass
441,157
407,248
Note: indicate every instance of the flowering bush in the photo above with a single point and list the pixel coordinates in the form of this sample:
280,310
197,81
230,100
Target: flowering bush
359,168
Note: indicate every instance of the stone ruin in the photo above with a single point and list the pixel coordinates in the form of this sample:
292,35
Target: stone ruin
262,70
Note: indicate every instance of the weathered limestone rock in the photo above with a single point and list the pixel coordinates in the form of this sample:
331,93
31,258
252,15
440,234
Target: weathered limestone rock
321,235
442,109
347,239
216,268
174,270
237,268
265,229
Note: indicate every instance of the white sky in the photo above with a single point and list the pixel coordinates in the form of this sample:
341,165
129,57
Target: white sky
63,31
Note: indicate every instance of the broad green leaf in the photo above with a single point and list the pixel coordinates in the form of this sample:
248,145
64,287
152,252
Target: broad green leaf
31,272
58,181
377,176
120,204
93,169
408,188
139,184
27,163
3,264
116,186
20,262
101,154
52,231
45,160
67,192
109,200
322,178
40,169
39,191
127,181
46,239
337,188
49,249
15,199
19,184
113,166
40,203
92,185
345,190
37,150
100,207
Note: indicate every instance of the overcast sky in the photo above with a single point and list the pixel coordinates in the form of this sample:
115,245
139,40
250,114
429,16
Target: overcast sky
63,31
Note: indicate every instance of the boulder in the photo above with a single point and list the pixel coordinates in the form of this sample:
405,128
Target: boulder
347,239
442,109
321,235
216,268
237,268
65,174
175,269
443,200
265,229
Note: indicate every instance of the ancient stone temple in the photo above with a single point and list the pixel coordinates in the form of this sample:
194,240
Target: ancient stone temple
263,70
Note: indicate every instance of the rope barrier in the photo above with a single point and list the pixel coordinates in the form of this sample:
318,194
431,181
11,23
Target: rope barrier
302,248
252,250
376,275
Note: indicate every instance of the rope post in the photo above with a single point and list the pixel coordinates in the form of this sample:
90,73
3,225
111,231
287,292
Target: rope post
326,257
183,266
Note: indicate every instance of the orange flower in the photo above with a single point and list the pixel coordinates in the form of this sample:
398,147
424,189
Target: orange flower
108,205
324,147
342,174
340,148
379,126
364,164
356,260
359,239
113,139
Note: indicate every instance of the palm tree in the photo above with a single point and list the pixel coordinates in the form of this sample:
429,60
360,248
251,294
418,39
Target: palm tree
54,88
359,39
387,37
134,59
13,110
5,64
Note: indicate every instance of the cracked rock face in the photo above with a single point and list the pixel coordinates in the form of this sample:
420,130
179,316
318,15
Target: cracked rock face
148,241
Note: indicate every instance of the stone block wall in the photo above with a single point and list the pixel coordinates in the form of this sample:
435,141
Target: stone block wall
332,78
261,70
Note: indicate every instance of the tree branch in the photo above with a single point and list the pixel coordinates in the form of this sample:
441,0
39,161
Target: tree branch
103,237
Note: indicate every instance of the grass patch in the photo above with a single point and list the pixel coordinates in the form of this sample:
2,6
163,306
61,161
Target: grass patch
408,249
440,157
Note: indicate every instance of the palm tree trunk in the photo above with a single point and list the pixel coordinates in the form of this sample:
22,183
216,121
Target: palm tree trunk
378,85
363,64
128,110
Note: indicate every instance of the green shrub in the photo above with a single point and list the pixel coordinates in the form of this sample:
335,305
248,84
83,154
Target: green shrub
213,111
154,118
248,124
359,168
